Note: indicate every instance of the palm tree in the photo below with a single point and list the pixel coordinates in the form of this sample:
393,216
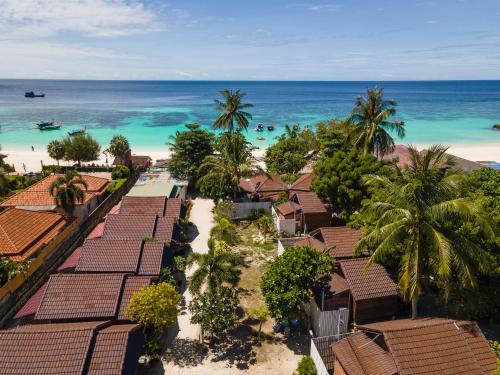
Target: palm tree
232,111
416,217
4,184
233,158
292,131
370,117
215,268
67,192
56,150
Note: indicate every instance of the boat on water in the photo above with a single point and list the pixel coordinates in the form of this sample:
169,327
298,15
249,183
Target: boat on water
270,127
31,94
48,125
76,132
259,128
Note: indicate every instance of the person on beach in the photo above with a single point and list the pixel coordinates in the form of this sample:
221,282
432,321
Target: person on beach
32,148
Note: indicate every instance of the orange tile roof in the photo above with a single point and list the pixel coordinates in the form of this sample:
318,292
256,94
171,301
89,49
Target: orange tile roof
343,239
263,183
303,183
288,208
24,232
309,202
367,284
38,194
435,346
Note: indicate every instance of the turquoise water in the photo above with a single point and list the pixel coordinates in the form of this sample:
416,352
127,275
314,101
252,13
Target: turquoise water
148,113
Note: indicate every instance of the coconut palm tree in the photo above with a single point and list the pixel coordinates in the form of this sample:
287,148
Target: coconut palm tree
372,125
215,268
415,217
67,192
292,131
232,111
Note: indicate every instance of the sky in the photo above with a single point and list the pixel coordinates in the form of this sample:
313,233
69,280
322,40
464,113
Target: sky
250,40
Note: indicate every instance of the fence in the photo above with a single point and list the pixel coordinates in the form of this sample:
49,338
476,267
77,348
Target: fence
17,291
322,354
284,226
242,210
326,323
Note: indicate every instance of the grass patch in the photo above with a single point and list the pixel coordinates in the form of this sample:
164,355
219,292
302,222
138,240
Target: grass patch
116,184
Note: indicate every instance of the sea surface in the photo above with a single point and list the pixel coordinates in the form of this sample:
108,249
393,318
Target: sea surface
150,112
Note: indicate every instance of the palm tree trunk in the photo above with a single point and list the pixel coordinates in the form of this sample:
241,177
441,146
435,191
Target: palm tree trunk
414,307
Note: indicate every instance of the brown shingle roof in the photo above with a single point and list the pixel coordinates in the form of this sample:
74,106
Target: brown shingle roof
372,283
435,346
343,238
263,183
38,194
309,202
303,183
174,208
359,355
84,296
165,229
288,208
338,284
143,206
66,348
152,256
129,227
24,232
312,242
132,285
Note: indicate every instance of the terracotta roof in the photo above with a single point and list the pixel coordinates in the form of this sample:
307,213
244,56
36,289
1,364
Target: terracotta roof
338,284
343,238
132,285
166,230
263,183
30,307
38,194
129,227
312,242
84,296
435,346
24,232
67,348
288,208
174,208
367,284
104,255
141,160
71,261
143,206
303,183
309,202
359,355
115,209
98,231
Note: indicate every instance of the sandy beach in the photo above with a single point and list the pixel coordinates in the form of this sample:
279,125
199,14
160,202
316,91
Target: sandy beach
33,160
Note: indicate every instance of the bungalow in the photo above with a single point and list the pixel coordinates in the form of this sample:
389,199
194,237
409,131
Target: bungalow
141,161
24,234
303,183
37,197
71,348
302,213
263,187
158,184
422,346
161,206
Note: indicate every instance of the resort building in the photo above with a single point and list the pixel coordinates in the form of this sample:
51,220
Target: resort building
303,183
37,197
263,187
137,161
160,206
430,346
71,348
158,184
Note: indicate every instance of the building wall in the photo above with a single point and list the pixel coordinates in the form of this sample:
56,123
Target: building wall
283,226
327,323
375,309
316,220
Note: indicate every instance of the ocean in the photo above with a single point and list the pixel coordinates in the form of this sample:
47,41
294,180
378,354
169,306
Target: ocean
148,113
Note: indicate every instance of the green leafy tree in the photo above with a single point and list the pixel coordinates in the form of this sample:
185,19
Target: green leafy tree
265,224
339,179
154,307
4,184
189,149
332,136
56,150
372,125
118,147
232,111
215,268
67,191
215,185
225,231
288,155
81,148
417,212
286,283
9,269
260,314
119,172
306,366
215,311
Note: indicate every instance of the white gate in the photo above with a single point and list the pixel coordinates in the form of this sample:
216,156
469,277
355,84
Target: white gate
326,323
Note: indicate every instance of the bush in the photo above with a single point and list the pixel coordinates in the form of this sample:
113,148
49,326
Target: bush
224,209
119,172
116,184
180,263
256,214
153,348
306,366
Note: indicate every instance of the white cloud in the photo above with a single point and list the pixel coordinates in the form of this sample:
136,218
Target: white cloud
96,18
432,22
323,8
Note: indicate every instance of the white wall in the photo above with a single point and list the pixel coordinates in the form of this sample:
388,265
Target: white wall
242,209
326,323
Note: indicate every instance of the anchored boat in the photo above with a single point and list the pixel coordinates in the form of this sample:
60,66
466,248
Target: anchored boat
31,94
48,125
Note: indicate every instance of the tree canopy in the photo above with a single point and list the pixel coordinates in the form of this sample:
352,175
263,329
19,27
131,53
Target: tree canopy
232,111
286,283
56,150
81,148
118,146
68,190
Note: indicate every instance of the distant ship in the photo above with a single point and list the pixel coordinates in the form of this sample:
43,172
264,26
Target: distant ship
76,132
31,94
48,125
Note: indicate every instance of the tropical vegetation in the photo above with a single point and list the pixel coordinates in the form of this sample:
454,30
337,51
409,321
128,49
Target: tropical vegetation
118,147
68,190
56,150
233,112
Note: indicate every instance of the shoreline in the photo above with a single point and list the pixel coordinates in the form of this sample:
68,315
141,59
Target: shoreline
33,159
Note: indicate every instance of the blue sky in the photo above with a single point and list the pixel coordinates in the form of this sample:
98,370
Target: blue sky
250,40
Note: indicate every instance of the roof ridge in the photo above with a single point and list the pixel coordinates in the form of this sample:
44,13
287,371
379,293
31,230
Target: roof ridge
436,323
356,354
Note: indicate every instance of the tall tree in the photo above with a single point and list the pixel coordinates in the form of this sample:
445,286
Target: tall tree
4,184
371,117
189,148
56,150
67,191
215,268
415,218
118,147
81,148
232,111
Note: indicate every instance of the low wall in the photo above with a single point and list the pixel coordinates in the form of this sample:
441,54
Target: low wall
243,209
18,290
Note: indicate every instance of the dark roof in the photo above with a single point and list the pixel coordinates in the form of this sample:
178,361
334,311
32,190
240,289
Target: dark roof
303,183
166,230
309,202
266,186
367,284
175,208
288,208
30,307
68,348
151,260
338,284
359,355
143,205
71,261
310,241
435,346
343,239
129,227
86,296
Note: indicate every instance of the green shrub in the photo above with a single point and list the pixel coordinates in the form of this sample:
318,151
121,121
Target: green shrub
180,263
153,348
306,366
119,172
116,184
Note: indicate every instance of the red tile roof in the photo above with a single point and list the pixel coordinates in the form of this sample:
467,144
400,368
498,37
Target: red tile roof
309,202
263,183
288,208
132,285
312,242
152,256
165,227
174,208
97,231
338,284
343,239
143,205
71,261
303,183
30,307
84,296
38,194
367,284
24,232
435,346
129,227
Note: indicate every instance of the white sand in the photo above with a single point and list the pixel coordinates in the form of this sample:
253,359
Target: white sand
32,159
